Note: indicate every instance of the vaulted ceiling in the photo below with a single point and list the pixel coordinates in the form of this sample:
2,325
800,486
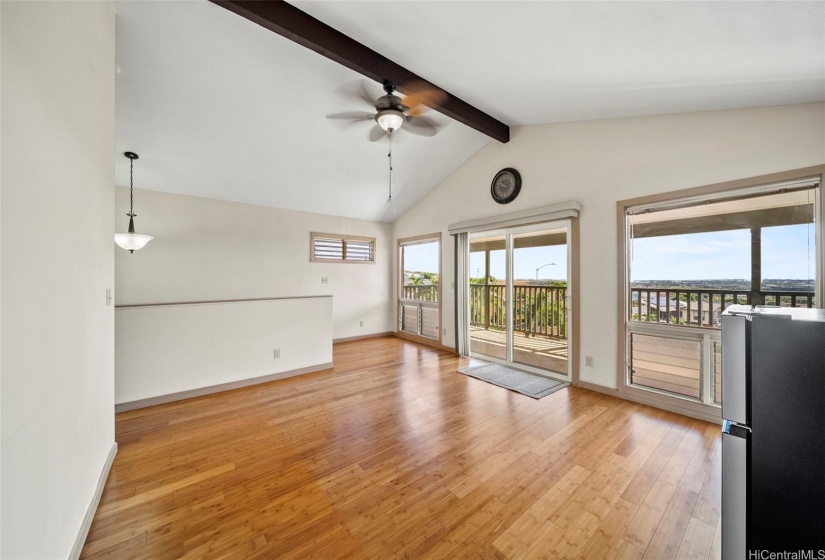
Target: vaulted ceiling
220,107
542,62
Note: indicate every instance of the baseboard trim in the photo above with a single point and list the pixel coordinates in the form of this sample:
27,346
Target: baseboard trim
202,391
80,540
425,341
362,337
651,402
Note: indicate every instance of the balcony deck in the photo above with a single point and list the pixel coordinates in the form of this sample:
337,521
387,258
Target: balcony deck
536,350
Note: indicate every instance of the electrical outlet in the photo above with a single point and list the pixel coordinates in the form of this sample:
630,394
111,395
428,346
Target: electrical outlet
324,280
588,361
276,353
362,323
452,285
108,297
445,331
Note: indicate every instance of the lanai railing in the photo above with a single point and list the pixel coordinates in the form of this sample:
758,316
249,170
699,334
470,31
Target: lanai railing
688,361
539,310
421,292
702,308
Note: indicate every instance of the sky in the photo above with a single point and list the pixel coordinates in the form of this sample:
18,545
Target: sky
421,258
424,258
525,263
786,254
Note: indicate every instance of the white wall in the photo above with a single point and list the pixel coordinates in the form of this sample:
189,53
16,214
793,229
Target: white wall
214,250
161,350
57,262
601,162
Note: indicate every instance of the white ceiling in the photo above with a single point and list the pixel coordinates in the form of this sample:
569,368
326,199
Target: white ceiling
541,62
219,107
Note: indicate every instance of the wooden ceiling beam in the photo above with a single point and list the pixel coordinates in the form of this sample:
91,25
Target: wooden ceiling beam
288,21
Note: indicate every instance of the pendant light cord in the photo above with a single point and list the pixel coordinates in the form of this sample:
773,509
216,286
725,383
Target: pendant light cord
131,187
389,155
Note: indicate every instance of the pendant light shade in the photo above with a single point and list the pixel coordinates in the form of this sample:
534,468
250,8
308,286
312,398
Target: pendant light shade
132,241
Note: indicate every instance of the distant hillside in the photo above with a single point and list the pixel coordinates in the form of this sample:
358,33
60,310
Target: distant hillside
776,284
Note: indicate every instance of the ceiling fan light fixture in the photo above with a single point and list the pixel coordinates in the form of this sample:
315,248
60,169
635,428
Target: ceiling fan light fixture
390,119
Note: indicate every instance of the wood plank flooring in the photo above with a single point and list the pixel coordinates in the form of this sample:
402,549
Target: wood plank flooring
393,454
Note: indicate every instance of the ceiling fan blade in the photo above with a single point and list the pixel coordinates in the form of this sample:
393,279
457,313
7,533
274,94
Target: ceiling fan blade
377,133
420,125
420,96
353,116
358,89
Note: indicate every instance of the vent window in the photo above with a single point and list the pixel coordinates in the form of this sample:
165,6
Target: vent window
329,247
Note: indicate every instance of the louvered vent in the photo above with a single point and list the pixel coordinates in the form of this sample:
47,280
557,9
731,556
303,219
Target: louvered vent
356,250
327,247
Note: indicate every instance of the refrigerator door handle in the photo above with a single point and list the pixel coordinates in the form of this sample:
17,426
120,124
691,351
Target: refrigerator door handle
734,491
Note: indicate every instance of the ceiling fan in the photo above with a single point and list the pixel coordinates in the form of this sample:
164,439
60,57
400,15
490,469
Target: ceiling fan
392,112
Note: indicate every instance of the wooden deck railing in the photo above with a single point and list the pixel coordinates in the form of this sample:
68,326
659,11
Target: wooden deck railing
421,292
702,308
539,310
789,299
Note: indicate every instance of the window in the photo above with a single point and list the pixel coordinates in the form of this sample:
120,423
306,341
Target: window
687,259
329,247
419,296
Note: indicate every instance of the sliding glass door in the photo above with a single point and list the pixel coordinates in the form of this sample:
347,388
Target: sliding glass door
519,296
488,301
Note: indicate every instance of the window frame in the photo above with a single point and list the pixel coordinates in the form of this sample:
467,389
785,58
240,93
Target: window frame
661,399
314,235
399,282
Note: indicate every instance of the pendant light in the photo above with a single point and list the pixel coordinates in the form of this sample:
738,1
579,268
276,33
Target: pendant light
132,241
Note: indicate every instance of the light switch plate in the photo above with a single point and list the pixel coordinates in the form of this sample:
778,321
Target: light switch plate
108,297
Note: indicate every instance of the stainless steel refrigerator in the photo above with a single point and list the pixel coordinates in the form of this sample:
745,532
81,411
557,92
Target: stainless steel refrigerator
773,438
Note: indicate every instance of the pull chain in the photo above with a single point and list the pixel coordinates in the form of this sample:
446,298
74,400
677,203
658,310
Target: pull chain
389,155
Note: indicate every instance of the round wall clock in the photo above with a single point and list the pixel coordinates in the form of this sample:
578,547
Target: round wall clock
506,185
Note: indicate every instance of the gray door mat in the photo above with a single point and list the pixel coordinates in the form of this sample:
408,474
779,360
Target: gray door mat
522,382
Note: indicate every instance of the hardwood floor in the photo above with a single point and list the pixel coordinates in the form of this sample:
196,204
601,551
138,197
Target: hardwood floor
393,454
